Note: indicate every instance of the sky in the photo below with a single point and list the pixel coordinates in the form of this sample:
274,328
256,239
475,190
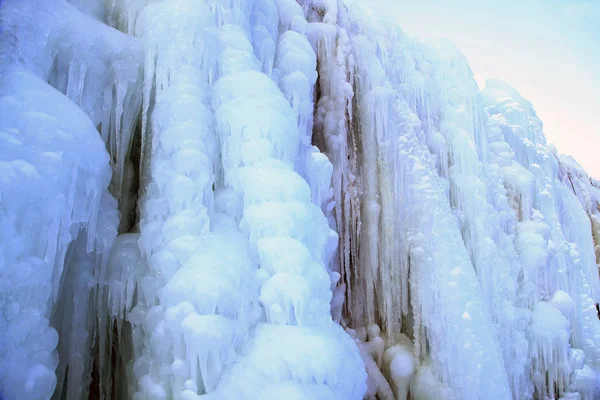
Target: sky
549,50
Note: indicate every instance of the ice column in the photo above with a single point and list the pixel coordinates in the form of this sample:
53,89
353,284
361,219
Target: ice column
478,198
412,201
196,298
295,66
291,237
201,295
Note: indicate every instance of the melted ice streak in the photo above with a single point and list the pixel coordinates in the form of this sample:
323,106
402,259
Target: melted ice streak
303,164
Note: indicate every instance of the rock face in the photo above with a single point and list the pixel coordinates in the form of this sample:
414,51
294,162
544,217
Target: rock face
312,206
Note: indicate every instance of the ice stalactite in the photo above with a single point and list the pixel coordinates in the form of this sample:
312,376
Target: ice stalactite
76,309
179,176
475,188
191,335
483,171
391,247
313,206
295,286
118,290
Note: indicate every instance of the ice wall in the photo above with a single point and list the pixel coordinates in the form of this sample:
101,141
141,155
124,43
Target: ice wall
58,223
556,245
97,67
524,255
55,200
587,190
228,224
312,205
404,207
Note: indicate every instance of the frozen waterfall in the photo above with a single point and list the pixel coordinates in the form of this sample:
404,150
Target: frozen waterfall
280,199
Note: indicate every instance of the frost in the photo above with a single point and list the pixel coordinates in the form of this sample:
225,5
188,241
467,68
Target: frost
312,206
58,223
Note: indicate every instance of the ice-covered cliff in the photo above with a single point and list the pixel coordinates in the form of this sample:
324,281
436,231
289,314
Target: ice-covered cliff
279,199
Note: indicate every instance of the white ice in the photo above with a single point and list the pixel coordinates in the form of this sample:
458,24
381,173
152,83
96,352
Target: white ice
312,204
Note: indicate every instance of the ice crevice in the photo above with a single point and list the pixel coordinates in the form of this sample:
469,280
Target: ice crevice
280,199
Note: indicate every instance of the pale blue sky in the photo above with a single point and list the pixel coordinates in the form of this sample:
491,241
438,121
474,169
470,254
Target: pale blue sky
549,50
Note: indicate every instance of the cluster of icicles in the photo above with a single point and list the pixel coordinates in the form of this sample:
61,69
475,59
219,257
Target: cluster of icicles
312,206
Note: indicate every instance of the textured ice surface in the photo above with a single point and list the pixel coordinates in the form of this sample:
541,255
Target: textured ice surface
58,222
221,198
313,206
94,65
436,159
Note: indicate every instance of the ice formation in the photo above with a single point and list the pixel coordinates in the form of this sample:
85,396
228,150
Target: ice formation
280,199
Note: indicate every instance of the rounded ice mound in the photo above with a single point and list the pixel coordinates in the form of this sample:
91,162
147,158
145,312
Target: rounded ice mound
245,85
281,254
318,362
263,184
295,300
294,53
288,219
